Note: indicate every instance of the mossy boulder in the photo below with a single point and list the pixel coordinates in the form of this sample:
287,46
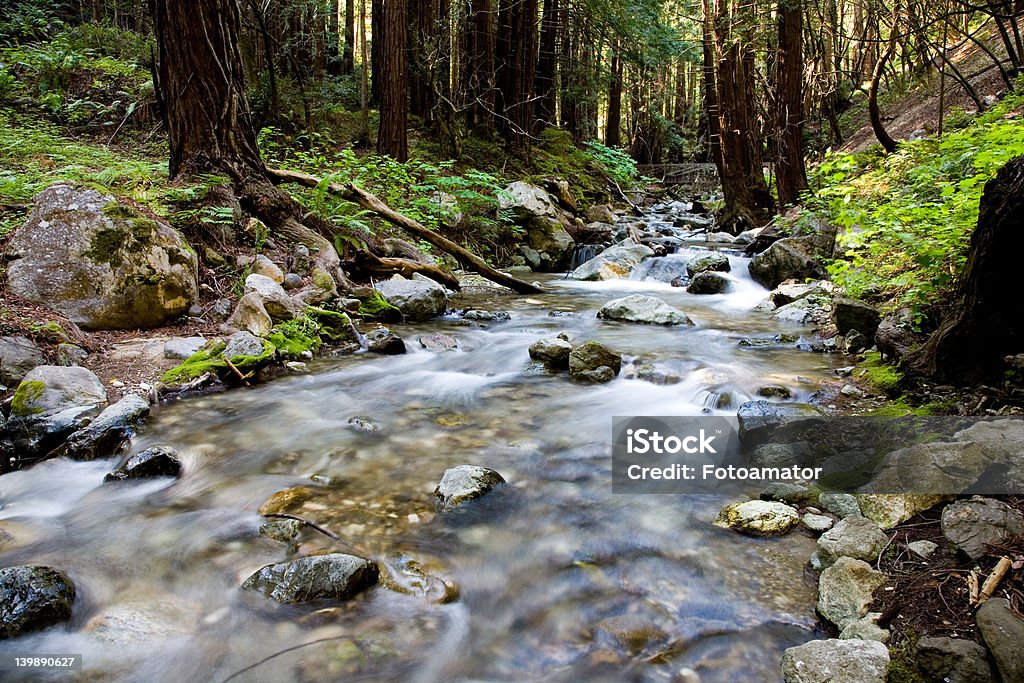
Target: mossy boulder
103,264
211,359
376,307
52,402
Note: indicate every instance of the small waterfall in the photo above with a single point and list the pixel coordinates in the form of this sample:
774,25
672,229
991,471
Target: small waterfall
583,253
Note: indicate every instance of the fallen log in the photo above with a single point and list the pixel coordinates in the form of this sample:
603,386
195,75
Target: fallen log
367,262
368,201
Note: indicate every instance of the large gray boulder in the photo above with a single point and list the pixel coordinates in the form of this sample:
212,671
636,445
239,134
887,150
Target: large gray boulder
33,598
464,483
711,261
845,590
954,660
890,509
758,419
417,299
103,264
336,576
614,263
789,258
836,661
545,223
552,352
850,314
18,355
709,282
278,305
639,308
51,402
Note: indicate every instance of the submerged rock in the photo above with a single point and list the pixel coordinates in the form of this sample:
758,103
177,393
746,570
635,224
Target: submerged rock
759,518
439,343
384,341
639,308
336,576
464,483
836,661
709,282
33,598
614,263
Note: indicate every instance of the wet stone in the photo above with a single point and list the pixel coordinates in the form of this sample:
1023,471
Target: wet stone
157,461
336,576
464,483
33,598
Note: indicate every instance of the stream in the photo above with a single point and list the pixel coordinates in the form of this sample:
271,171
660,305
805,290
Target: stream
558,578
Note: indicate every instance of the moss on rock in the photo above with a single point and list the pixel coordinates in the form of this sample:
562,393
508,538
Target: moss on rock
335,327
211,359
376,307
27,392
879,375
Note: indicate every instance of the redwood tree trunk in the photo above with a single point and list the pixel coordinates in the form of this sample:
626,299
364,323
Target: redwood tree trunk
392,138
986,321
202,85
613,132
748,203
547,63
516,68
348,62
476,68
790,171
334,38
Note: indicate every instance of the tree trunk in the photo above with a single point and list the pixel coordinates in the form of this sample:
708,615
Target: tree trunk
790,171
392,137
476,77
714,130
348,62
613,132
376,49
333,38
986,321
516,69
547,64
748,203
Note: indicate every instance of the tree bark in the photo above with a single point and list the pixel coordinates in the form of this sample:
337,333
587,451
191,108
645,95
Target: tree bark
547,64
476,68
334,38
790,171
516,69
348,62
613,131
986,321
392,138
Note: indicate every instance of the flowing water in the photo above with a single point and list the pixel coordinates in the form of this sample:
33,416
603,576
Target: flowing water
559,579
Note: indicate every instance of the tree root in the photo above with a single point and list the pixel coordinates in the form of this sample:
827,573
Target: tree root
356,195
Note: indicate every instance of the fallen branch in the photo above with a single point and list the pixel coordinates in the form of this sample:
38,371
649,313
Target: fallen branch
311,524
992,582
357,195
372,263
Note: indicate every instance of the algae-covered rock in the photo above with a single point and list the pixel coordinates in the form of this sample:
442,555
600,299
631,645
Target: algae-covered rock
759,518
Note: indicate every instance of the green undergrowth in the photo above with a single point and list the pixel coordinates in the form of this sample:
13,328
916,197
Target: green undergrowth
906,219
878,374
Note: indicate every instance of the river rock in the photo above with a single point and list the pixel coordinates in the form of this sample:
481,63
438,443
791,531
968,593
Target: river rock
600,213
335,576
382,340
970,525
890,509
110,432
33,598
275,300
817,523
594,363
787,293
866,628
465,483
661,269
856,537
18,355
261,265
614,263
71,354
103,264
51,402
486,316
156,461
417,299
631,632
250,315
439,343
804,311
842,505
794,494
180,348
711,261
709,282
774,391
545,223
552,352
788,258
850,314
243,344
845,590
836,661
1003,632
759,518
758,419
639,308
953,660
